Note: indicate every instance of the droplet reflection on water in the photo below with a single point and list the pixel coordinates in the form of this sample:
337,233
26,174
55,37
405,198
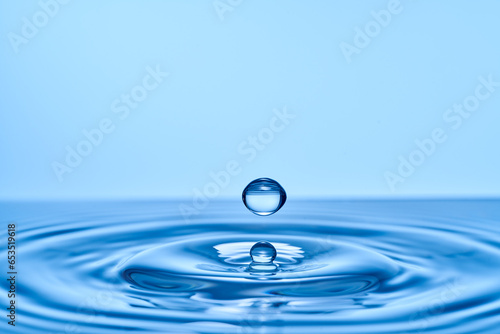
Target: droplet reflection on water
264,196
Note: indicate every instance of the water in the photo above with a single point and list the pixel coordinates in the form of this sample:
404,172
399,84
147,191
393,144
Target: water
341,267
264,196
263,252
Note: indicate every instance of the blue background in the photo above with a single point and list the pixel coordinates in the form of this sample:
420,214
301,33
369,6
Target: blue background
353,119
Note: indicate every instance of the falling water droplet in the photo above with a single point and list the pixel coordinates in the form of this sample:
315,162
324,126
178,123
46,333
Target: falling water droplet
264,196
263,252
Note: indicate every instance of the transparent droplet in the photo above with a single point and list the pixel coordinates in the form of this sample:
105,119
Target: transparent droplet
264,196
263,252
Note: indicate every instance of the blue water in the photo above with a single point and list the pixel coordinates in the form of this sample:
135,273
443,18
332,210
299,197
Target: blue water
342,267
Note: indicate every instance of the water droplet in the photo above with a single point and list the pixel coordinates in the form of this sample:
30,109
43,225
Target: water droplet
263,252
264,196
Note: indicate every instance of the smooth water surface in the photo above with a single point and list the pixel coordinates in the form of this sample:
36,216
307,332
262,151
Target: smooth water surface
340,267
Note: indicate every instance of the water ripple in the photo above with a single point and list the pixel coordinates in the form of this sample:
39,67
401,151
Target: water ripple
343,267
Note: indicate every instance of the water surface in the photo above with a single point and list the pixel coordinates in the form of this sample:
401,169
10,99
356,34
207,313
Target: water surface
342,267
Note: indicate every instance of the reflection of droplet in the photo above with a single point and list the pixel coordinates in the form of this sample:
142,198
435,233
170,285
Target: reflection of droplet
264,196
263,252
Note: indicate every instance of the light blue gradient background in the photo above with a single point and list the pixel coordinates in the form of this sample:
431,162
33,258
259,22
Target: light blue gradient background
353,120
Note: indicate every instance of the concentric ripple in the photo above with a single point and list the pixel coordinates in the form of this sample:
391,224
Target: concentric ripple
341,267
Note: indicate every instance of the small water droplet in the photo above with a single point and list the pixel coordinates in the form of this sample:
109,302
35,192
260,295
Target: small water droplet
263,252
264,196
